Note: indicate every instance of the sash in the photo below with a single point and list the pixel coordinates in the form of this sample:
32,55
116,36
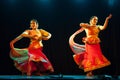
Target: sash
75,47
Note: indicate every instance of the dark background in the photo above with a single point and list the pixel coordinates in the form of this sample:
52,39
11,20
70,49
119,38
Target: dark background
61,18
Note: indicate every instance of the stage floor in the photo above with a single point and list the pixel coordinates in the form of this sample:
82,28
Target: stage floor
100,77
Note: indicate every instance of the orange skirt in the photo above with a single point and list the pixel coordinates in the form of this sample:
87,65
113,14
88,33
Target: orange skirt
91,59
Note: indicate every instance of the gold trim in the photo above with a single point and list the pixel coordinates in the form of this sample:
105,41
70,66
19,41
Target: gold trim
96,67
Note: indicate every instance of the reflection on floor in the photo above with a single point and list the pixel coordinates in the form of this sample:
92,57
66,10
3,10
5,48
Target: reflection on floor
100,77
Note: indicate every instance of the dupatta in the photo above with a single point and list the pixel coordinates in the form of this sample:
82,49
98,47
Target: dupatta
75,47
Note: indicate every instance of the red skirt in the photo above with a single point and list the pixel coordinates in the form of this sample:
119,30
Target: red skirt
91,59
38,60
35,58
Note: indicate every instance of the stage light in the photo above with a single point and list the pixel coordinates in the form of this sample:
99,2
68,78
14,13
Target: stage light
111,2
11,2
44,1
80,1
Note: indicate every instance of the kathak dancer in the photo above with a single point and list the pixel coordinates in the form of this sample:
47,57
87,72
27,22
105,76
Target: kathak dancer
32,60
89,56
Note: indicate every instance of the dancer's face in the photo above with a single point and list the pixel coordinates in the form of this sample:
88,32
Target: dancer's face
94,20
33,25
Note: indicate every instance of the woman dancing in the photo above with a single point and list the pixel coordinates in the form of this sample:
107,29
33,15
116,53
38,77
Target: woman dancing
32,60
89,57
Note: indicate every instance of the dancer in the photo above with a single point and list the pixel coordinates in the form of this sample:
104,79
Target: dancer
89,57
32,60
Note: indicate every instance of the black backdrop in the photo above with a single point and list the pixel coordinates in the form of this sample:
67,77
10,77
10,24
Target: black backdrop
61,18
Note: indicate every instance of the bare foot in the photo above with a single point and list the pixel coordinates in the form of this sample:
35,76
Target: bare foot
28,74
89,74
38,74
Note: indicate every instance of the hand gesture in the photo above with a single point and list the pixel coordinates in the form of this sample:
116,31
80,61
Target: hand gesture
110,15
